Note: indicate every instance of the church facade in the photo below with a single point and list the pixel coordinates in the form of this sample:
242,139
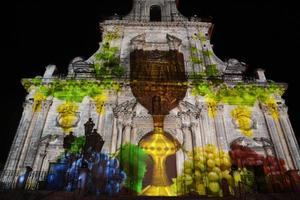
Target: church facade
156,84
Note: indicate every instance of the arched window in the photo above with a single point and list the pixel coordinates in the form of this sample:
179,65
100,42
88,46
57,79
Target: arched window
155,13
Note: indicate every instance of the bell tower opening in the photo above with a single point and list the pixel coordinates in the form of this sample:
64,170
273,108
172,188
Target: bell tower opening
155,13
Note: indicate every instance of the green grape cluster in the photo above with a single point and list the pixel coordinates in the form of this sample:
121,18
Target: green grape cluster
246,177
203,171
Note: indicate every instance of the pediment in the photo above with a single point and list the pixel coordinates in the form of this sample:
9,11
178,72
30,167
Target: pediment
155,41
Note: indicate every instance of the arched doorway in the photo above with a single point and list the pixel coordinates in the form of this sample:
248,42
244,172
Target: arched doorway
154,150
155,13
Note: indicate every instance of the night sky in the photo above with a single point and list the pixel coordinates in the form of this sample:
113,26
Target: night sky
263,35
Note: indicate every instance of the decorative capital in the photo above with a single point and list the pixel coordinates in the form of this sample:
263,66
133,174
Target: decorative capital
46,104
204,107
282,108
186,125
189,109
220,108
125,108
264,109
127,122
194,124
28,104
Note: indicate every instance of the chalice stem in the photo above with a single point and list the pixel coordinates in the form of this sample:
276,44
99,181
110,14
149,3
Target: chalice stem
159,172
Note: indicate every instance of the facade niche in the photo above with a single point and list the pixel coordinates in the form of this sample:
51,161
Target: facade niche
155,13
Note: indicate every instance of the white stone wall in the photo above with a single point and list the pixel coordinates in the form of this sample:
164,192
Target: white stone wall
125,120
155,37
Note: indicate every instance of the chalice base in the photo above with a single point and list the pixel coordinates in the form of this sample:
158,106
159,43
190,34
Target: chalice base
152,190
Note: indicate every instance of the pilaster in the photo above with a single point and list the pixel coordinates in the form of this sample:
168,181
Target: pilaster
20,137
11,166
289,136
279,142
37,133
220,129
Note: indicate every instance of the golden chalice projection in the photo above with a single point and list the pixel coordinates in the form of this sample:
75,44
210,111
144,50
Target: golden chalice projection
158,82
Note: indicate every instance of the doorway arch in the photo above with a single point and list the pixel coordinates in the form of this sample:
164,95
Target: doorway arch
155,13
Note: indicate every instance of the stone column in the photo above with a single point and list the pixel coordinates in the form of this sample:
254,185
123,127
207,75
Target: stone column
119,133
186,129
133,134
41,157
124,113
179,153
114,136
201,126
37,133
209,136
99,124
278,142
187,138
220,129
126,133
18,143
11,170
289,136
196,135
107,128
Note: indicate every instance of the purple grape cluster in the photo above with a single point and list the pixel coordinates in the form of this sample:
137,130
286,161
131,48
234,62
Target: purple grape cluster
102,174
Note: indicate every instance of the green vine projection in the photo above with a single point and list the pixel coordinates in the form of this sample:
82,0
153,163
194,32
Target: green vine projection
77,145
133,161
107,65
107,61
211,69
239,94
196,60
244,96
200,36
71,90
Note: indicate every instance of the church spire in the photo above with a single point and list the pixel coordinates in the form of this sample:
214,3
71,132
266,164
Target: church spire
155,10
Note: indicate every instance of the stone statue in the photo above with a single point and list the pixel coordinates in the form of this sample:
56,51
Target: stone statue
94,141
88,127
68,140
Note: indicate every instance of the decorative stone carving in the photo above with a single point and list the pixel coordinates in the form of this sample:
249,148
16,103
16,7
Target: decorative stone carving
60,121
174,42
253,143
79,67
165,42
28,104
234,70
252,124
190,108
282,108
138,41
125,107
46,104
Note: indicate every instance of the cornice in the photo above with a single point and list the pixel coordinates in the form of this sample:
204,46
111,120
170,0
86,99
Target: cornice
157,24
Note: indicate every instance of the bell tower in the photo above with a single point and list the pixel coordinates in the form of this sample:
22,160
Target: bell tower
155,10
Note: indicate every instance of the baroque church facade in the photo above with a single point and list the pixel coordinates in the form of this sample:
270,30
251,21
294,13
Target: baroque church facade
169,71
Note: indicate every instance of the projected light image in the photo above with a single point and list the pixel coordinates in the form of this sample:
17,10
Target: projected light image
154,112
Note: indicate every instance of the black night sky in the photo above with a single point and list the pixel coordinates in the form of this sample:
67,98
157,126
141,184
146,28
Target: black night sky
263,34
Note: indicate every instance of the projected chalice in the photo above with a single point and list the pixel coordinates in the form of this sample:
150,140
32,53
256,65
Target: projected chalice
158,84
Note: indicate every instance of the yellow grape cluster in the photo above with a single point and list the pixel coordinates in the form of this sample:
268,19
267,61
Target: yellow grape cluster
203,171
